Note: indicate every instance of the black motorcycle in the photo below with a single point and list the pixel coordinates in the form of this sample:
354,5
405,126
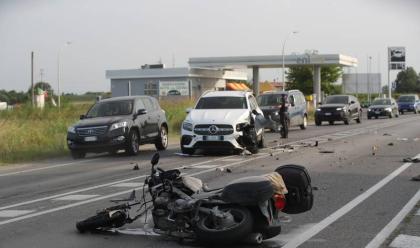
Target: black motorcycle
247,209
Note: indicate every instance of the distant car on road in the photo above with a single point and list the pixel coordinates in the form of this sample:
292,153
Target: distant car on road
339,108
383,107
269,103
174,93
409,103
119,123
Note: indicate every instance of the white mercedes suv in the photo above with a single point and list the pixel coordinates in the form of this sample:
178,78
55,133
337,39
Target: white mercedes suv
223,120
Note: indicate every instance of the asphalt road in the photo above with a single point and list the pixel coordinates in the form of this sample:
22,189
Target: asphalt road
357,193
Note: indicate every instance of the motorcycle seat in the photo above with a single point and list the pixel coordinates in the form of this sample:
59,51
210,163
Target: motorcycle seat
248,190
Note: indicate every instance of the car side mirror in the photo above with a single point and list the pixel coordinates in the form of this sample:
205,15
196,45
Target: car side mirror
82,117
352,102
188,110
141,112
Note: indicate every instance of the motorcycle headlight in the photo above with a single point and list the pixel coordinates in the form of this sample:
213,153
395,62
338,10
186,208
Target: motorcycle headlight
71,130
187,126
118,125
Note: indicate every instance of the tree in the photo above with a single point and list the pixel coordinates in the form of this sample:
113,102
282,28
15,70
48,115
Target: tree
407,81
42,85
301,78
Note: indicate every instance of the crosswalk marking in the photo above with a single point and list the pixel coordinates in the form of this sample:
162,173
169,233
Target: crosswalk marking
14,213
405,241
75,197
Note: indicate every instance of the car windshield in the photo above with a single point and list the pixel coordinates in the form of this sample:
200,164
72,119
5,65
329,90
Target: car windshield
337,99
406,99
270,99
110,108
381,102
222,102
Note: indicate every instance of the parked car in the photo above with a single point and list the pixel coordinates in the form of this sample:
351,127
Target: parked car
383,107
339,108
220,120
409,103
269,103
119,123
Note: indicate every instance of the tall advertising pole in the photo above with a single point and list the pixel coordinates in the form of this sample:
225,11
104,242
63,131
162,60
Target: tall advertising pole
396,61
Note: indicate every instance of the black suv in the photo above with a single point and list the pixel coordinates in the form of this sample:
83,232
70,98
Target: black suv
119,123
339,108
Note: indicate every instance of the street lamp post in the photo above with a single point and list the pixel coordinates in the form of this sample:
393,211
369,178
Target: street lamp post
68,43
282,56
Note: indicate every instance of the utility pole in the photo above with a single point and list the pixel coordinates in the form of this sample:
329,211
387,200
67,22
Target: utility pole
32,79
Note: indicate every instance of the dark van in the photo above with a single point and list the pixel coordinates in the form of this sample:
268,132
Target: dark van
269,103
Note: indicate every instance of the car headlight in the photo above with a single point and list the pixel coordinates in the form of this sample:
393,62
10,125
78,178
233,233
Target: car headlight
339,109
388,109
318,109
240,126
276,113
71,130
187,126
369,110
118,125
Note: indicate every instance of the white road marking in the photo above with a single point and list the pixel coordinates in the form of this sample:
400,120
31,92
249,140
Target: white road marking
405,241
14,213
388,229
203,166
345,209
231,159
75,197
128,185
45,168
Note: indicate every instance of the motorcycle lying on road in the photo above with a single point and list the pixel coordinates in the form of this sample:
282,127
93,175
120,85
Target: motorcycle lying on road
183,207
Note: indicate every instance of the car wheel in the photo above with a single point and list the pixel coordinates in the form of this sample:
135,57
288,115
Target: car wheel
133,142
346,121
77,154
376,117
331,122
390,115
397,115
162,139
318,122
369,117
305,123
402,112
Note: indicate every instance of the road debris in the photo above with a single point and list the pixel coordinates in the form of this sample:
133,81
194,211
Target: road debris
326,151
402,139
315,188
416,178
246,152
411,160
390,144
228,170
387,134
374,149
136,167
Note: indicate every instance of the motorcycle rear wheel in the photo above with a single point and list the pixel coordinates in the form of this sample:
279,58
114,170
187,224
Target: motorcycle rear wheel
101,220
208,232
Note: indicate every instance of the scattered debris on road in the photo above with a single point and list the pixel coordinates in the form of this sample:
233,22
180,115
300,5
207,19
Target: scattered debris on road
387,134
326,151
374,149
416,178
390,144
136,167
402,139
411,160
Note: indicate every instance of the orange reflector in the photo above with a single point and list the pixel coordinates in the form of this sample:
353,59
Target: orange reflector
279,201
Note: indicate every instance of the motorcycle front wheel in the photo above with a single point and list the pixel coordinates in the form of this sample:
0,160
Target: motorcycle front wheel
236,226
100,221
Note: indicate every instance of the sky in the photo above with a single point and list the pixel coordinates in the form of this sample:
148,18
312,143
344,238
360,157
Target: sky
126,34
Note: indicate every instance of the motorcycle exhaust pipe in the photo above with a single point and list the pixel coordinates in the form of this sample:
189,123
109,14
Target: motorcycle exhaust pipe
254,239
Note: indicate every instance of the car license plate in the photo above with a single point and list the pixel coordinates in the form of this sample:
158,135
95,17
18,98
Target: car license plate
91,138
212,138
377,112
327,113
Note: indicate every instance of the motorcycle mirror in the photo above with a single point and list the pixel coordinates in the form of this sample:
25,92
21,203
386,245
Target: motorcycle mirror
155,159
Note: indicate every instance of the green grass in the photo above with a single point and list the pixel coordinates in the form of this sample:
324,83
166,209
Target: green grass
28,133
